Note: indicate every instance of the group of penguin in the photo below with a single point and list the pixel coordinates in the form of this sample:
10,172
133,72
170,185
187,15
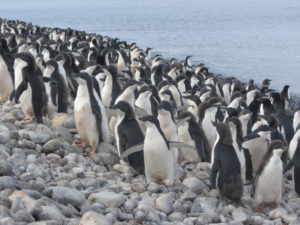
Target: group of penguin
157,112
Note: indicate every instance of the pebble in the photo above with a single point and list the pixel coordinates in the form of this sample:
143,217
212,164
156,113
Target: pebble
194,184
4,134
107,198
164,203
65,195
51,146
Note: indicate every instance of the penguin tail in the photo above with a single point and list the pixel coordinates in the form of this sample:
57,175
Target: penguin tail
233,188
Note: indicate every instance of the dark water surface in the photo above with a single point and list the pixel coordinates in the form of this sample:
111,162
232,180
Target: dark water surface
248,39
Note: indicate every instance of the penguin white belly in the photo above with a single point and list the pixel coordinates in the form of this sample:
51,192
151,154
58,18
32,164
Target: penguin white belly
269,185
106,92
170,131
188,154
241,157
293,144
85,121
144,103
209,129
257,148
159,161
6,84
26,102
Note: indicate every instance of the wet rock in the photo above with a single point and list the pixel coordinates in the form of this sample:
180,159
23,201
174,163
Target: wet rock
164,203
93,218
107,198
66,196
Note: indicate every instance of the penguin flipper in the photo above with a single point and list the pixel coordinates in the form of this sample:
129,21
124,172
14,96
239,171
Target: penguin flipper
198,136
214,171
53,91
21,88
249,168
133,149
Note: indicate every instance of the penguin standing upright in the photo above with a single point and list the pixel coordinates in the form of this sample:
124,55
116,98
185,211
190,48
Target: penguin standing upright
58,91
267,187
128,133
167,124
226,168
6,77
33,97
158,158
90,116
294,155
190,133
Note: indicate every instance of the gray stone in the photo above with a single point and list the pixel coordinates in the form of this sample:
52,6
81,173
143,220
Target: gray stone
140,216
153,187
63,134
256,220
93,218
64,120
239,214
208,205
196,207
23,216
6,221
204,219
294,204
41,135
164,203
289,218
194,184
277,221
139,187
176,217
107,198
4,134
66,196
178,206
6,168
7,182
51,146
48,213
277,213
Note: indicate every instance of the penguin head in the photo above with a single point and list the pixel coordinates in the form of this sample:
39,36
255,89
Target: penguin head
235,126
264,131
82,78
187,115
123,109
60,59
51,64
165,108
277,147
25,59
224,133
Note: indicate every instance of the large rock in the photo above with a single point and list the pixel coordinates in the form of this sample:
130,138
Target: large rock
5,168
66,196
93,218
194,184
48,213
51,146
21,200
208,205
107,198
164,203
7,182
23,216
4,134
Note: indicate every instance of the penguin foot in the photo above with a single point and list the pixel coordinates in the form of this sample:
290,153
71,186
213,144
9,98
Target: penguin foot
27,120
91,153
82,144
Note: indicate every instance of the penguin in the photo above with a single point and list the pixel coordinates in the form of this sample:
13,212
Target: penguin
285,96
294,155
33,97
267,186
190,133
57,91
226,168
158,158
6,72
296,119
242,153
111,89
90,116
285,125
246,120
128,133
143,100
167,124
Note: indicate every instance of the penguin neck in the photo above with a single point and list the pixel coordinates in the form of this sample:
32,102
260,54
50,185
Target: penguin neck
82,91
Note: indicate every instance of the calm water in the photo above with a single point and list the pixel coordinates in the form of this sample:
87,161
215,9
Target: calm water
244,38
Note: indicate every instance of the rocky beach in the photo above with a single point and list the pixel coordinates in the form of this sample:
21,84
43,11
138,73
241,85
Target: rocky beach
44,180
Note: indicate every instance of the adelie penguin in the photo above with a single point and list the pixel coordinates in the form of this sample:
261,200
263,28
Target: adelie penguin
226,168
158,157
29,88
90,116
128,133
267,187
294,156
57,90
6,76
190,133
